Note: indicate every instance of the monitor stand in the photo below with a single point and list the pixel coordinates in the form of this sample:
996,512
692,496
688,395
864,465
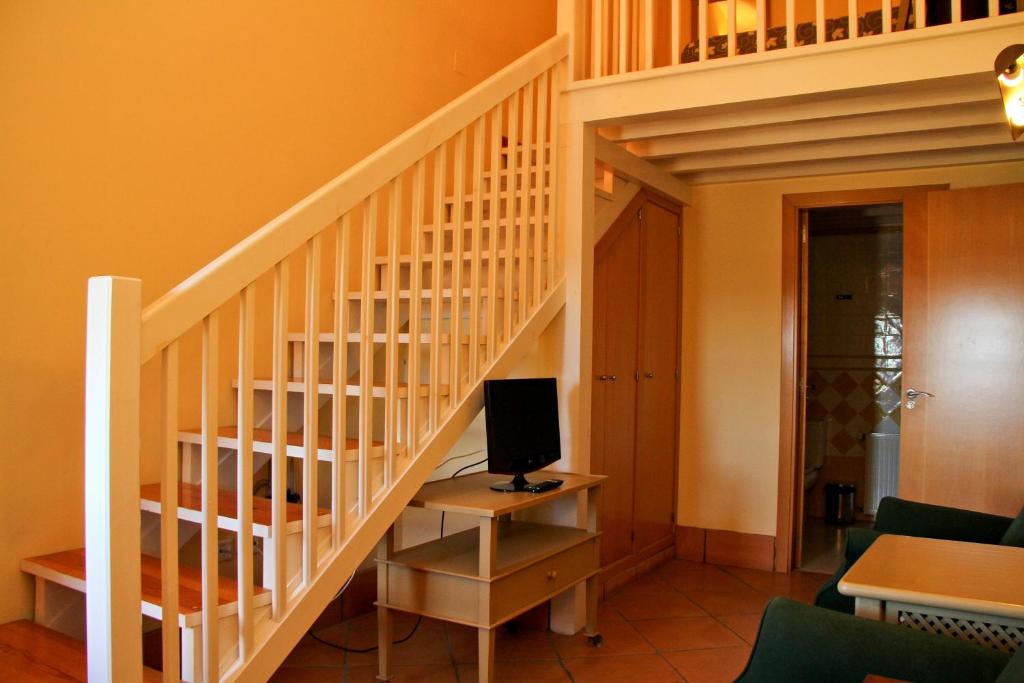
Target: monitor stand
518,483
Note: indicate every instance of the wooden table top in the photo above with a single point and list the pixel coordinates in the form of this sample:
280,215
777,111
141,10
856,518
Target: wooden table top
972,577
472,494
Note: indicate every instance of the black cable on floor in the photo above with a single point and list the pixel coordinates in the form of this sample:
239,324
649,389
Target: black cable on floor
360,651
419,618
481,462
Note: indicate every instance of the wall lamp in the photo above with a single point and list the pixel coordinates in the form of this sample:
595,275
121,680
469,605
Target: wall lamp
1009,68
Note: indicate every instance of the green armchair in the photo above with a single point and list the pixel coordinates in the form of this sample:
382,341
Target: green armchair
907,518
798,642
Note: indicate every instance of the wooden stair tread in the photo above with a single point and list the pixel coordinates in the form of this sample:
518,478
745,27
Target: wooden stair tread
486,223
30,652
485,195
485,255
263,442
190,498
298,385
67,568
425,294
381,338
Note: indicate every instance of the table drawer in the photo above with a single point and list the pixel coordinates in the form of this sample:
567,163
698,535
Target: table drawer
521,589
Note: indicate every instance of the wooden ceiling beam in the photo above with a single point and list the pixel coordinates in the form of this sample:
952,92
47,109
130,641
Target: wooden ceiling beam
975,136
884,123
964,90
1006,151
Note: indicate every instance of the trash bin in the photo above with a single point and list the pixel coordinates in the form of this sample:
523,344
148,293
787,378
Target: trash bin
839,502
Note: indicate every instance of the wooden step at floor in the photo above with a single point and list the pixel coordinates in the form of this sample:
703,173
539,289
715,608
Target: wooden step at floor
67,568
227,437
381,338
30,653
326,388
190,506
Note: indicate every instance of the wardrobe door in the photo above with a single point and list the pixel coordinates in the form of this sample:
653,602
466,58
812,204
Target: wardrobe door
657,400
617,295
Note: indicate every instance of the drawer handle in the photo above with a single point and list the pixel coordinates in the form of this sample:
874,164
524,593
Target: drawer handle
552,575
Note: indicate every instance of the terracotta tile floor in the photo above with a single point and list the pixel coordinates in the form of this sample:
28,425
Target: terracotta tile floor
682,622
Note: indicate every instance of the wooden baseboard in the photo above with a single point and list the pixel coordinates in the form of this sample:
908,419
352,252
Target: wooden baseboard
621,572
732,548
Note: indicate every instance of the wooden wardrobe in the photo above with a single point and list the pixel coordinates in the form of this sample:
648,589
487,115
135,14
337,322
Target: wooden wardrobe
635,418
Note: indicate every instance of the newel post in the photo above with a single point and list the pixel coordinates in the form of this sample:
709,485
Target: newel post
112,531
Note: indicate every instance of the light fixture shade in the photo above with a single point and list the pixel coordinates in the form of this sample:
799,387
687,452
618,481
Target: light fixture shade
1009,68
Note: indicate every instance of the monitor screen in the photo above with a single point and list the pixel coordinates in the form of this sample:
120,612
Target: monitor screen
522,424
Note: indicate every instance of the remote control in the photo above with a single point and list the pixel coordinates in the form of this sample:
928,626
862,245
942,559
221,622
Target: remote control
542,486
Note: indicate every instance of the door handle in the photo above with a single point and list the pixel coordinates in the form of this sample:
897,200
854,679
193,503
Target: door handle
649,375
607,378
914,394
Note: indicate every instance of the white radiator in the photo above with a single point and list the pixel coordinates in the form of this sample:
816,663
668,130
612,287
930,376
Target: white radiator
883,469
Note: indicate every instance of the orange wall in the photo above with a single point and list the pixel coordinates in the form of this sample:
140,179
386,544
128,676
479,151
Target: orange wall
732,308
143,139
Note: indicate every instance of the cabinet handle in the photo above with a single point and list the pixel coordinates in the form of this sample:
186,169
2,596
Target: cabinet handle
612,378
649,375
552,575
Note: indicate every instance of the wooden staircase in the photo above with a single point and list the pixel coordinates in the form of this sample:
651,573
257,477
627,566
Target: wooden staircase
427,269
30,652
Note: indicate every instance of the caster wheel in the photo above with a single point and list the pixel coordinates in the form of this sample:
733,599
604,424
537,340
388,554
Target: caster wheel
596,640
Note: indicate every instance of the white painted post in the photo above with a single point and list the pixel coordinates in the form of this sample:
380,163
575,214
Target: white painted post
576,161
112,526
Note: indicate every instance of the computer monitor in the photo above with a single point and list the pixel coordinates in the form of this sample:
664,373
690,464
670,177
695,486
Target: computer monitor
522,427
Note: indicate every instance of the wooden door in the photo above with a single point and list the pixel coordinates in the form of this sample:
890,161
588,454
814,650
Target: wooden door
657,400
616,316
964,342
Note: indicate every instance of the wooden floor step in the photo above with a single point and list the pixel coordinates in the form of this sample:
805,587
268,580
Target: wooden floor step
67,568
262,442
381,338
298,386
190,506
30,652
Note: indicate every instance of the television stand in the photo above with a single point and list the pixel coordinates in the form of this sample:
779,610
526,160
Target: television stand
487,575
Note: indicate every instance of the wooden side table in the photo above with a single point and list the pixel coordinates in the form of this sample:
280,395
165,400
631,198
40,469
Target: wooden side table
484,576
970,591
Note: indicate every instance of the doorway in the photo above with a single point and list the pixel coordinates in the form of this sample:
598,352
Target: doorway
793,425
852,353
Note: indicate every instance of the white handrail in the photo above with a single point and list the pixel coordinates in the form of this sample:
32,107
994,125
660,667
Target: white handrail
183,306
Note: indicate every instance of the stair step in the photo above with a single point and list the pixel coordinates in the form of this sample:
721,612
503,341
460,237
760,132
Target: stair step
67,568
426,294
380,338
30,652
486,223
485,255
485,195
262,442
327,388
190,505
